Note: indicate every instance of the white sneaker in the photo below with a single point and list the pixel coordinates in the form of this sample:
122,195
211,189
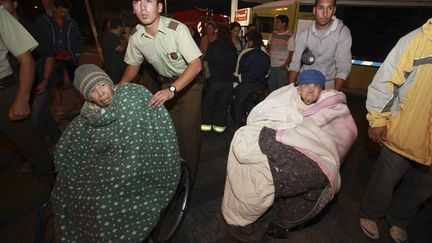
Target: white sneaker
370,228
398,234
205,128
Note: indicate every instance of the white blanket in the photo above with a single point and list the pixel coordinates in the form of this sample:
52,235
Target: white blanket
323,132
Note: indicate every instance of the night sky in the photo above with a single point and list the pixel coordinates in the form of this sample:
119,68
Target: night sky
103,8
218,6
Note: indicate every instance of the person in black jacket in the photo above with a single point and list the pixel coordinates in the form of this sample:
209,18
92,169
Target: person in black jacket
114,46
221,57
252,68
59,50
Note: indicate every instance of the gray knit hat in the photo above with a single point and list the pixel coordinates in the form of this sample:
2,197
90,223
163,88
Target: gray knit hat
86,78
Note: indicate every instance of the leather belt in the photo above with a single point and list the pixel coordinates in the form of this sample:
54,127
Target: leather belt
163,79
7,82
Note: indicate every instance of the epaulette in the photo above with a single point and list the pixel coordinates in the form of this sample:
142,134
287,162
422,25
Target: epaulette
173,25
133,30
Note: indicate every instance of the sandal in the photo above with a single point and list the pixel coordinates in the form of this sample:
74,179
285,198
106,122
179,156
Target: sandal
370,228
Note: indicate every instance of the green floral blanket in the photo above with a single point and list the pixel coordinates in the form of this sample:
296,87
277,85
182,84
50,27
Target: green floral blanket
117,168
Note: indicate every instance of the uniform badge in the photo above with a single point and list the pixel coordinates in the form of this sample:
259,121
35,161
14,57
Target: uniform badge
173,56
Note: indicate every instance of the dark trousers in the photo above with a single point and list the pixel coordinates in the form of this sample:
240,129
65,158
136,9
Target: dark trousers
185,111
23,136
64,65
396,189
115,73
216,100
42,120
278,78
244,101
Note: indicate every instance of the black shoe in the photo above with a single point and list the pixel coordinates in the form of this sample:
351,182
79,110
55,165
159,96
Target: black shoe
278,232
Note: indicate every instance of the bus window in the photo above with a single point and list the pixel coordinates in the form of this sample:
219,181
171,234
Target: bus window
375,30
264,24
306,8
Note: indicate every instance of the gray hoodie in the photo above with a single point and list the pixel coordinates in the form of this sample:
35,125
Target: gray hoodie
332,51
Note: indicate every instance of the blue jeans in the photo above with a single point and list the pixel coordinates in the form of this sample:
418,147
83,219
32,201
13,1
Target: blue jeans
41,117
396,189
278,78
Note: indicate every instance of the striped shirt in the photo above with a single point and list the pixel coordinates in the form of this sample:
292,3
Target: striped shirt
281,45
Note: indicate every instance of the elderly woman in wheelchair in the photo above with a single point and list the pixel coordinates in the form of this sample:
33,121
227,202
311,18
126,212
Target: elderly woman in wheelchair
283,166
118,164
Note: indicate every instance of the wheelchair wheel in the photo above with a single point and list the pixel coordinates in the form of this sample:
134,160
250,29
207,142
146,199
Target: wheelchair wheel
172,216
39,230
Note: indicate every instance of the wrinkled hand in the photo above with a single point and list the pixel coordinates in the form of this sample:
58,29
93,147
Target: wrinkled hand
41,88
378,134
160,98
19,110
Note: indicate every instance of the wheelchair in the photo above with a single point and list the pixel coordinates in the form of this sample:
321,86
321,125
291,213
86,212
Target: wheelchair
172,215
170,220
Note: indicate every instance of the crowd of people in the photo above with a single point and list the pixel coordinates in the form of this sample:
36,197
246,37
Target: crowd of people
116,166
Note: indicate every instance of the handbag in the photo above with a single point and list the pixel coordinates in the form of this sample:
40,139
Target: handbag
307,57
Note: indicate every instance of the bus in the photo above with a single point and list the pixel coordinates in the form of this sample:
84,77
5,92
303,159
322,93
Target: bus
197,18
375,27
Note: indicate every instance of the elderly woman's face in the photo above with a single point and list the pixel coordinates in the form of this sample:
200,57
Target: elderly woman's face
102,94
309,93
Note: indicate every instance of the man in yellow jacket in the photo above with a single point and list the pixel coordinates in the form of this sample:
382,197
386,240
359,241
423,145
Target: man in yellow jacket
400,116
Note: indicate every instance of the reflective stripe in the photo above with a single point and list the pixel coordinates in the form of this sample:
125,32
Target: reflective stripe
366,63
423,61
218,129
206,128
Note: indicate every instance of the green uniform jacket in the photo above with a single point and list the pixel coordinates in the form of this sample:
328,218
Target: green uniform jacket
14,38
116,170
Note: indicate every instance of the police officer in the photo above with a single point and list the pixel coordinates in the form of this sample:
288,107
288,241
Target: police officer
169,47
14,96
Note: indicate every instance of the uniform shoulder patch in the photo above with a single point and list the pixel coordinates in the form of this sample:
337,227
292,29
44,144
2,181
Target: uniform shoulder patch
173,25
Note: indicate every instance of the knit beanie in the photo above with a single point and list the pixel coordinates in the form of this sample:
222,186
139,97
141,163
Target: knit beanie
311,76
87,76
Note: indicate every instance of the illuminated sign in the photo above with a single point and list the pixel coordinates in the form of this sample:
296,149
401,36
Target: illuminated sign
242,16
